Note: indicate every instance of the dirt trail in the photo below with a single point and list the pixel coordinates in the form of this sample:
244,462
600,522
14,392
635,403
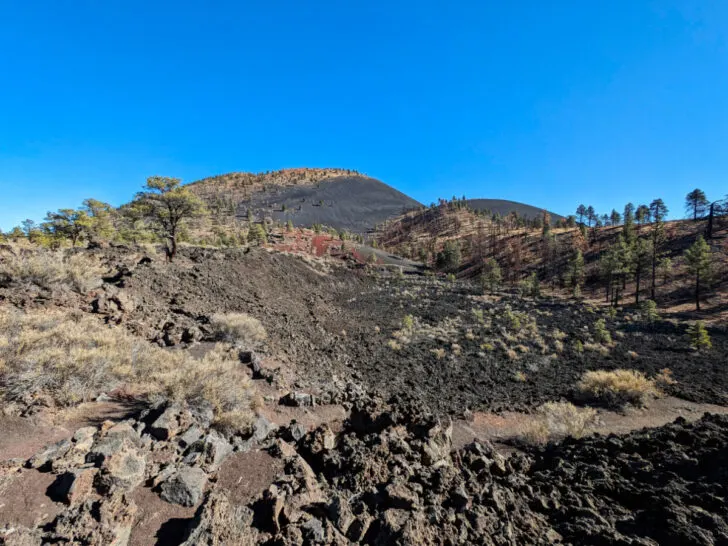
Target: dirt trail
509,425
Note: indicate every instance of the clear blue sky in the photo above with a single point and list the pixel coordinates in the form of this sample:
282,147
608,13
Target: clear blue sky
548,102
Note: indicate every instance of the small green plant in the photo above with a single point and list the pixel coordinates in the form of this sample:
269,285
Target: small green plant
491,278
612,312
649,312
698,336
478,315
535,286
450,277
578,346
408,322
511,319
601,334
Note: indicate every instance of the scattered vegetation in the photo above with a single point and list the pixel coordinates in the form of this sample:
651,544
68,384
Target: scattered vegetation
69,358
491,277
601,333
51,268
617,388
555,421
239,328
649,313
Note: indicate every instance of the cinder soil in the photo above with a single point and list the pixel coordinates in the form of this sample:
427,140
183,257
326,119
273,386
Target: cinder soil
661,485
340,323
503,428
21,437
244,475
158,523
24,500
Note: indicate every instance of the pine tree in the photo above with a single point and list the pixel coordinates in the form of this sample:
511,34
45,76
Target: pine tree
698,336
257,234
649,312
628,221
658,210
643,214
590,215
450,256
641,256
534,287
698,260
581,213
696,203
615,218
491,276
576,272
168,205
615,266
659,213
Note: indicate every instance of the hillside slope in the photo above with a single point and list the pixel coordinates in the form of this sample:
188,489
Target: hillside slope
505,207
354,203
338,198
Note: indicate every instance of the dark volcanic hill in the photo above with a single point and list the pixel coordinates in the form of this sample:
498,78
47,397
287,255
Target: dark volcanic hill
355,203
504,207
337,198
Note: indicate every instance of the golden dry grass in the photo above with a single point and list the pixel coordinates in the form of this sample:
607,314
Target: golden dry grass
617,388
72,357
239,328
49,269
555,421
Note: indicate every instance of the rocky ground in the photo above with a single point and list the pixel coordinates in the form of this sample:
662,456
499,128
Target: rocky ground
388,476
457,355
366,377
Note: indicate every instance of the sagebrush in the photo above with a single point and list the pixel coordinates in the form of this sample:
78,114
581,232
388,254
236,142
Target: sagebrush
49,269
239,328
617,388
554,421
71,358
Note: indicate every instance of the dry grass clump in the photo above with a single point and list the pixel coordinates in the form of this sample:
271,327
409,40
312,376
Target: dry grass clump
664,378
555,421
48,269
238,328
617,388
597,348
72,358
439,353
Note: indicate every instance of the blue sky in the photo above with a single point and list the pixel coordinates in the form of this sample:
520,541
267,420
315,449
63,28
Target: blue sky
551,103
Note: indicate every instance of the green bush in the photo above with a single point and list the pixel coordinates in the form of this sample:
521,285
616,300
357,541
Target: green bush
698,336
648,311
601,334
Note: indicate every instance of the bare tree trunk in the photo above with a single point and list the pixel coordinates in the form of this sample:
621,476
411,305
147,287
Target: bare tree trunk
654,270
697,291
171,248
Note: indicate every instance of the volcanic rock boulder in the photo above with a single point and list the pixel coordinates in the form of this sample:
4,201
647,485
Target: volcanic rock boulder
185,487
